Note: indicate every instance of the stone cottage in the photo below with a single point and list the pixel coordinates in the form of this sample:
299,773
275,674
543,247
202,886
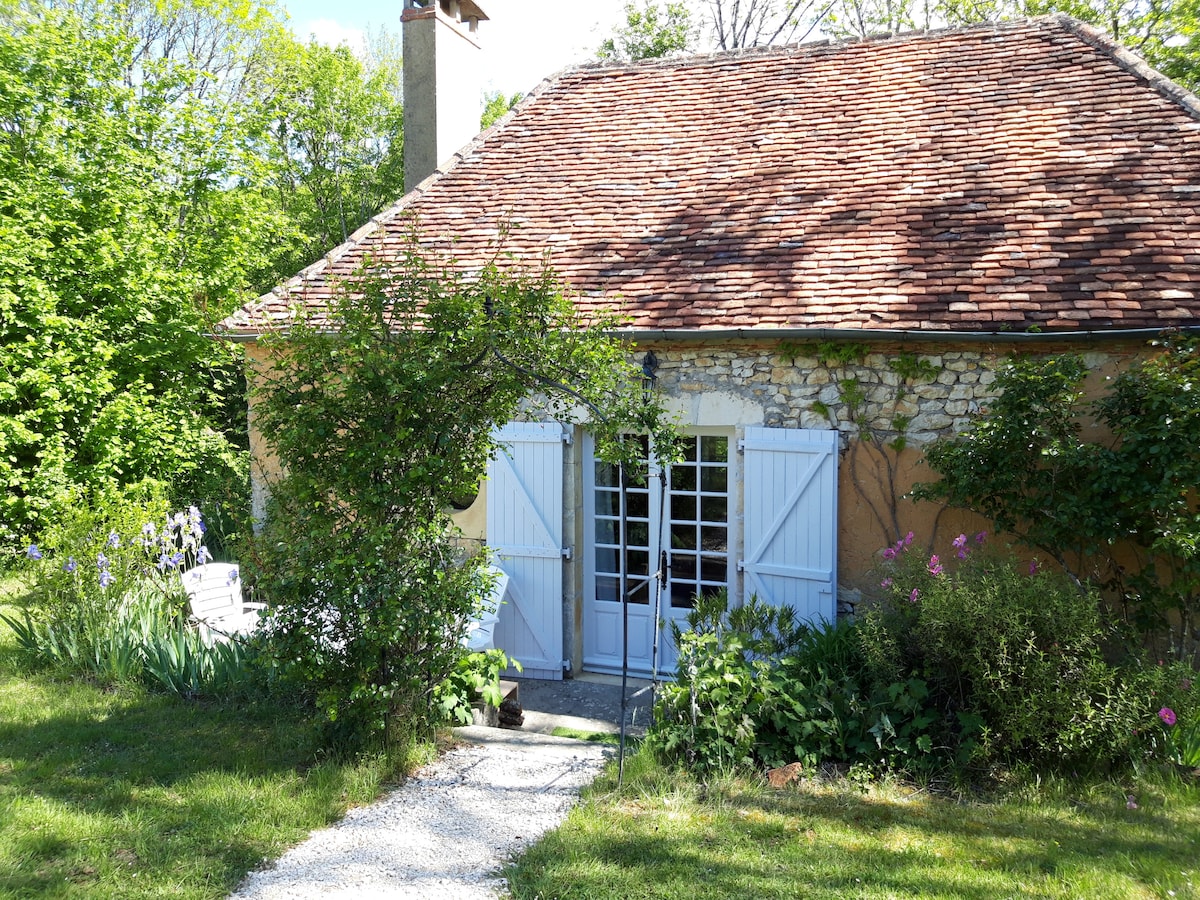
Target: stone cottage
805,239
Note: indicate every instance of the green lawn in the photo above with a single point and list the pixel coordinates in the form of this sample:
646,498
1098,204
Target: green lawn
126,794
663,836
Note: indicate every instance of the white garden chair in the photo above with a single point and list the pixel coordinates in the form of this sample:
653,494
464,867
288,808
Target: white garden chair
480,630
214,594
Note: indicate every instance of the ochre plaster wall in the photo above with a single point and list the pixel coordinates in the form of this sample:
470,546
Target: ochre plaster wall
732,387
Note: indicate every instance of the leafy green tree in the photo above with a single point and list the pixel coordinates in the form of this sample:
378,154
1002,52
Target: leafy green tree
107,377
495,105
651,31
160,161
337,141
379,423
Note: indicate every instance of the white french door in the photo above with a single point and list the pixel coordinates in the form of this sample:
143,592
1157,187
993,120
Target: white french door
676,545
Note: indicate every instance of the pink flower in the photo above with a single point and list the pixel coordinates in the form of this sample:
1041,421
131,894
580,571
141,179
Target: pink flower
961,554
908,539
1167,715
1033,567
981,537
960,542
935,567
1130,802
886,583
889,553
912,598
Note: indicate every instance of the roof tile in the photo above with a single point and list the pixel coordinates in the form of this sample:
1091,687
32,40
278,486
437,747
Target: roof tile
1007,175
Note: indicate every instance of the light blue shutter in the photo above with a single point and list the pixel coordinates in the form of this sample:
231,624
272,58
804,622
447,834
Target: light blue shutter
790,519
524,531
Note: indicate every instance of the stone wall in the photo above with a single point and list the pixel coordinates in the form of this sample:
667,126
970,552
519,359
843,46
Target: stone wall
804,391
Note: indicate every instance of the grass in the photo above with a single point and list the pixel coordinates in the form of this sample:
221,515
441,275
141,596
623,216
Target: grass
664,836
592,737
124,793
127,794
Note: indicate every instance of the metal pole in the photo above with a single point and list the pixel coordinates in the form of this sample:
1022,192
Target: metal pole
660,578
624,589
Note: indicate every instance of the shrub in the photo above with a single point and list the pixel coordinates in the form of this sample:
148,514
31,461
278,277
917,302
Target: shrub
366,638
381,414
709,716
1012,659
756,688
1119,511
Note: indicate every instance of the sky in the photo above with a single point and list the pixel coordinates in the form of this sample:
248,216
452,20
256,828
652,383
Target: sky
523,41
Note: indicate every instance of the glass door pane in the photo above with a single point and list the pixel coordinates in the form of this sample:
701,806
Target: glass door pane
698,513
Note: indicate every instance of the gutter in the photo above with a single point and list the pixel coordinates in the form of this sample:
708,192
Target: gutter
882,335
870,335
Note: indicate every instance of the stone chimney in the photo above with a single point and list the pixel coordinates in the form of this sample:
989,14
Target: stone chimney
442,82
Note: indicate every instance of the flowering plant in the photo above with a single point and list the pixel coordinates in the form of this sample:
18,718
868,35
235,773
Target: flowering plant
1010,656
906,571
93,555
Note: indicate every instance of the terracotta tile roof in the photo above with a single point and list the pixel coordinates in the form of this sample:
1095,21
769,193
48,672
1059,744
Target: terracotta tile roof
989,178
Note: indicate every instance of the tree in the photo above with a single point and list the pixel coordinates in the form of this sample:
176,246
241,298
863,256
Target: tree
160,162
863,18
1166,33
650,31
379,422
107,377
495,105
736,24
336,129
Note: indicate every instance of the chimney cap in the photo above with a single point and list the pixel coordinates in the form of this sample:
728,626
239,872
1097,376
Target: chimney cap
460,10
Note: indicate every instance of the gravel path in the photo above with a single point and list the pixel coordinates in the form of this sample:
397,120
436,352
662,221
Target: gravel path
446,831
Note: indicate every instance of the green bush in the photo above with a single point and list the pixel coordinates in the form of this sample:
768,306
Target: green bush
381,414
1013,661
1116,506
367,638
967,663
145,640
756,688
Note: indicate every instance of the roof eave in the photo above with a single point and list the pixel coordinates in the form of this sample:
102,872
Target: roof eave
868,335
902,336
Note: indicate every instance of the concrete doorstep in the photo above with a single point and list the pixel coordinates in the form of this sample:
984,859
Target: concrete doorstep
588,704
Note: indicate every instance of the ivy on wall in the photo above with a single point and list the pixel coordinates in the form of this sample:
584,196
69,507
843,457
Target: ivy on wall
874,423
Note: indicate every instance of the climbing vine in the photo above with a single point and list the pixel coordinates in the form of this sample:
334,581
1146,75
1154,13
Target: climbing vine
878,426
